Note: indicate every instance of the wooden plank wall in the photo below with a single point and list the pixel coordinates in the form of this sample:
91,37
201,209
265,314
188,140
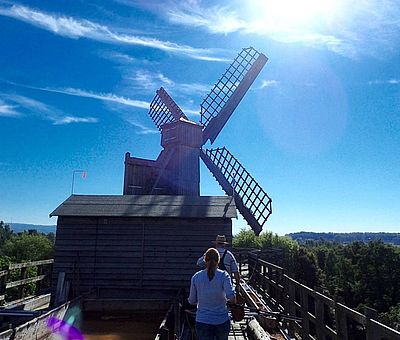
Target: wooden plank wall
139,176
124,255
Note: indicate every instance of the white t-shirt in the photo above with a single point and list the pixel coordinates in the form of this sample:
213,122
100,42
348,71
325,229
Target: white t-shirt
229,261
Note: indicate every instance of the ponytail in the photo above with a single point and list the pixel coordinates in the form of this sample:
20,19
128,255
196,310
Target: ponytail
212,260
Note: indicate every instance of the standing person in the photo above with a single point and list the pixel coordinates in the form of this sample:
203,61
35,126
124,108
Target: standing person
210,289
228,261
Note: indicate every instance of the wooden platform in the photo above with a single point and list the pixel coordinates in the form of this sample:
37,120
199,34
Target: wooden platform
238,331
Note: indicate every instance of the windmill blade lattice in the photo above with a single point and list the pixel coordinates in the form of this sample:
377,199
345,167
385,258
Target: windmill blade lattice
251,200
163,109
226,95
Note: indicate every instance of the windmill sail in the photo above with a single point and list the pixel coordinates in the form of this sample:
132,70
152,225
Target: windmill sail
251,200
163,109
226,95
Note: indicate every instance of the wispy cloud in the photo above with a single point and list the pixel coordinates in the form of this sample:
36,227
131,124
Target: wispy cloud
143,130
107,97
80,28
143,80
58,119
392,81
26,105
268,83
122,58
351,29
71,119
7,110
150,81
187,95
216,19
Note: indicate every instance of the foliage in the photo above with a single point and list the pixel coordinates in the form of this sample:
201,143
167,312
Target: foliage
23,247
5,233
28,247
392,317
358,274
346,238
298,260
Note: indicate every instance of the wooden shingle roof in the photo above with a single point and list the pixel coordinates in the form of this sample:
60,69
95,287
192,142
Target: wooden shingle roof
147,206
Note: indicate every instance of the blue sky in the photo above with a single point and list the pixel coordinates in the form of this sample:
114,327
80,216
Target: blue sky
319,129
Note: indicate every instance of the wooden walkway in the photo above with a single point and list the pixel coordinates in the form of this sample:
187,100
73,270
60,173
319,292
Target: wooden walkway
238,331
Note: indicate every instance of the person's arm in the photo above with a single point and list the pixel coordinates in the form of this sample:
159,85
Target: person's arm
236,275
193,293
228,288
235,271
200,261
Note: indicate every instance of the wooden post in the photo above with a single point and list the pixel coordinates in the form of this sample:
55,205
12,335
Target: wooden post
319,318
304,313
21,289
60,288
371,333
39,284
164,333
3,280
177,318
341,322
290,304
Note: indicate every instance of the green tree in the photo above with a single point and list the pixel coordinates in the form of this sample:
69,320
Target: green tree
5,233
245,239
28,247
392,317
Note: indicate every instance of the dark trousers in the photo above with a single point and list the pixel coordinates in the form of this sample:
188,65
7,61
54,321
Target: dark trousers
213,332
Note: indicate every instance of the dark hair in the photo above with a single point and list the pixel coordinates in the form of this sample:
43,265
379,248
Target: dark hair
211,259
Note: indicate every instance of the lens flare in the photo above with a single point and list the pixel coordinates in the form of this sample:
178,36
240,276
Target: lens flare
287,15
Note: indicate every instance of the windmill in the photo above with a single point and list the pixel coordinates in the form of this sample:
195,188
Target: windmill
176,171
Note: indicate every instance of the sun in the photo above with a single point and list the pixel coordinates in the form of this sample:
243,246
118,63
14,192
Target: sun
286,15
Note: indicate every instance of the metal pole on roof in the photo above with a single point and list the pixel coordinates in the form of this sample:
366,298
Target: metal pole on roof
73,178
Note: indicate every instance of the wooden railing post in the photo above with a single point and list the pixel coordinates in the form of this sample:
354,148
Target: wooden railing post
290,306
319,318
341,322
3,280
177,318
39,283
371,333
304,314
23,276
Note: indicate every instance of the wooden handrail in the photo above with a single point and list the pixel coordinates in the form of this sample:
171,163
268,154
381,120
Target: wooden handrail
29,264
25,281
5,274
322,316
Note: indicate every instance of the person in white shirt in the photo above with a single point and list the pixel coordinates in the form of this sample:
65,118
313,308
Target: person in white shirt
227,262
210,289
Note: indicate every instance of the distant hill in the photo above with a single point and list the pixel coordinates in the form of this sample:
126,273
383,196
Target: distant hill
303,236
20,227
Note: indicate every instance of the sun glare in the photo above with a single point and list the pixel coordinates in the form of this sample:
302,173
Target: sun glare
292,14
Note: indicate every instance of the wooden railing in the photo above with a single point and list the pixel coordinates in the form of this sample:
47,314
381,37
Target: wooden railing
42,270
170,327
323,318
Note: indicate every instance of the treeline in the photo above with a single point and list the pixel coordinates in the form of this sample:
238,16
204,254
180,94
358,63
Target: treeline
25,246
304,236
358,274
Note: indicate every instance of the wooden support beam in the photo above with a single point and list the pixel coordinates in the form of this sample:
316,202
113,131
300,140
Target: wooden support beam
24,281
